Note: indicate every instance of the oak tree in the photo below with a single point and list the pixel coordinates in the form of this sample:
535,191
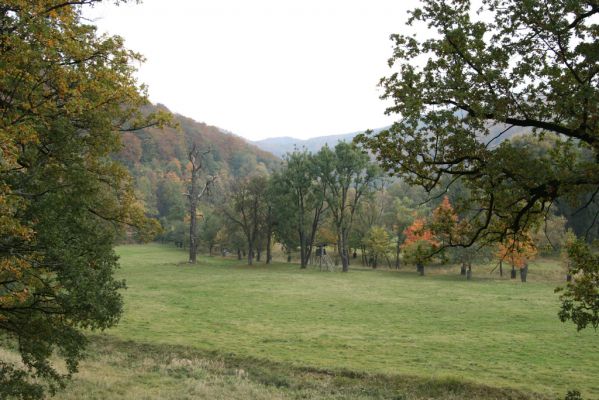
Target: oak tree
299,184
512,67
348,175
67,95
247,208
481,75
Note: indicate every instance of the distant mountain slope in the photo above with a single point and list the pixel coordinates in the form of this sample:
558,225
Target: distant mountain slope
279,146
158,161
154,147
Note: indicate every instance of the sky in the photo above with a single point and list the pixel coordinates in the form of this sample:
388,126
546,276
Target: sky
263,68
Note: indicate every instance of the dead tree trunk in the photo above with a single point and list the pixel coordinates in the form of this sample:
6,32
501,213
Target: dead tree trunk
196,191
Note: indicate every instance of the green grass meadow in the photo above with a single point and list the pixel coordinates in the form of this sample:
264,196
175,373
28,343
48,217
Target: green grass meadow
364,334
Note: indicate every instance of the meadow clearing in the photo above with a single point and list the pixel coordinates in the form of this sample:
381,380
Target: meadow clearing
222,329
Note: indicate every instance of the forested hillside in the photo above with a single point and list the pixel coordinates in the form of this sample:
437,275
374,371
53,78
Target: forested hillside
158,159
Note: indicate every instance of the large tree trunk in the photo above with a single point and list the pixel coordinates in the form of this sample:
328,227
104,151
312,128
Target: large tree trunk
193,244
250,253
524,273
193,224
469,272
303,252
310,240
344,261
268,247
343,252
301,230
238,253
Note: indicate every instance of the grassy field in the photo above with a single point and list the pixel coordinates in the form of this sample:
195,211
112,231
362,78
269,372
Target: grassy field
437,336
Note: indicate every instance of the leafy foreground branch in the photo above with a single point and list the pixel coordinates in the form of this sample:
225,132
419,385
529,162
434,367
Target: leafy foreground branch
122,369
66,96
580,299
488,72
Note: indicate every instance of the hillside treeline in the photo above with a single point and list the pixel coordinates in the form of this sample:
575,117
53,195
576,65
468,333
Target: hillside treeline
337,199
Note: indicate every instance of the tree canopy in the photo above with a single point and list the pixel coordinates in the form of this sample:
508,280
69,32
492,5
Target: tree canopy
66,97
482,75
508,67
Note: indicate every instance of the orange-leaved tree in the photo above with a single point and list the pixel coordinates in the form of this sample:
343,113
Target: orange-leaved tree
444,225
420,243
517,251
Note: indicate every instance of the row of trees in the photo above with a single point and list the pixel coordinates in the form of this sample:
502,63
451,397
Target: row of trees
339,197
294,203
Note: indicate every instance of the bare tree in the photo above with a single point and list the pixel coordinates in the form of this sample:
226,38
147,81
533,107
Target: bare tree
196,192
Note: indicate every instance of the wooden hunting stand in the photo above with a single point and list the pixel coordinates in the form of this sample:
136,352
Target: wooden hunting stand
321,259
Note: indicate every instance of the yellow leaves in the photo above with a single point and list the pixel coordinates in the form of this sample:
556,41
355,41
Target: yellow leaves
13,267
15,299
10,226
517,252
17,292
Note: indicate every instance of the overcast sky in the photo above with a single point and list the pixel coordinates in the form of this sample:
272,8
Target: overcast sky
264,68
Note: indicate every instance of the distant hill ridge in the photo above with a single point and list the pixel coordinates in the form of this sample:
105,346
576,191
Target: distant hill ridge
279,146
282,145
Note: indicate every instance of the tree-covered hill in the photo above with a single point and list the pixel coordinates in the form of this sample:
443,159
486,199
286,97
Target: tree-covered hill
156,147
158,161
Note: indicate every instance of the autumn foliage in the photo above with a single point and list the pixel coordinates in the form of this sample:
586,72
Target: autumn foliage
517,252
420,242
444,215
418,232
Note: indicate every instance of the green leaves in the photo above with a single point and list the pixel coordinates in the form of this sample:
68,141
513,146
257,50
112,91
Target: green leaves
580,298
512,68
66,95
